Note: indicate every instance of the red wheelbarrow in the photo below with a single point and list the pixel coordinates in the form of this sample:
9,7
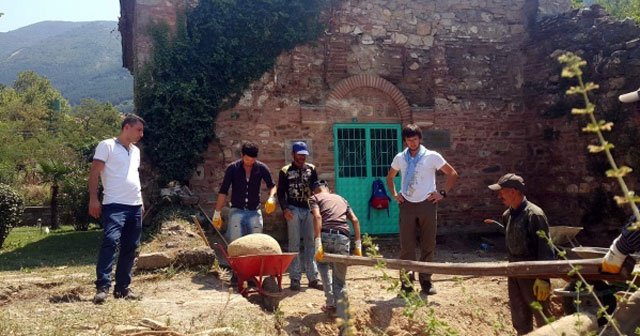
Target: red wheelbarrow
265,271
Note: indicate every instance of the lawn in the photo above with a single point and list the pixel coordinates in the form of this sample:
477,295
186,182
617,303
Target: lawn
29,247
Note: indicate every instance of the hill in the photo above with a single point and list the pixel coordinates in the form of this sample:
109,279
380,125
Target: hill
82,59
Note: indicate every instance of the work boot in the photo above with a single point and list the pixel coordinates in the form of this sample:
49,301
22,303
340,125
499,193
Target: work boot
126,294
101,295
428,289
295,285
315,284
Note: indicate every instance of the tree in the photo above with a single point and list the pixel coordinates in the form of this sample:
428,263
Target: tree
54,171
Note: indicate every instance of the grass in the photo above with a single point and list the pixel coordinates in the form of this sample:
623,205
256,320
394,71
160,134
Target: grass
29,247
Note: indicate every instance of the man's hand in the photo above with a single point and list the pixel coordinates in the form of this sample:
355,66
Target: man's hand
358,250
399,198
435,197
217,220
288,214
319,250
95,209
270,205
541,289
612,261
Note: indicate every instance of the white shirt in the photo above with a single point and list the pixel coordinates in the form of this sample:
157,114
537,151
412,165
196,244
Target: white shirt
120,177
423,182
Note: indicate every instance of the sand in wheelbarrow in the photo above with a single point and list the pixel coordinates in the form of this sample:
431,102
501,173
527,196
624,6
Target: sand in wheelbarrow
254,244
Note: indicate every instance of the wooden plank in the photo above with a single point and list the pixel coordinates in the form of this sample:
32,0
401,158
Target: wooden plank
589,268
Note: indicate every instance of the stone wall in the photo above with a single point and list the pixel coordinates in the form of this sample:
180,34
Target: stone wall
480,71
559,164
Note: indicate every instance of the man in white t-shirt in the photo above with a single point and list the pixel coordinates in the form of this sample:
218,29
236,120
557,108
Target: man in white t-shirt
116,162
418,199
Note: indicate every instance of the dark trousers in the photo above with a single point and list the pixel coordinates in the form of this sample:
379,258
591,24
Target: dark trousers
520,298
418,220
122,226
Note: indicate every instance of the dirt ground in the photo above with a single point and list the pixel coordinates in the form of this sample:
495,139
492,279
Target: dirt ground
200,302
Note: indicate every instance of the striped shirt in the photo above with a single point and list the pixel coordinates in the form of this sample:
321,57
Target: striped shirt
629,241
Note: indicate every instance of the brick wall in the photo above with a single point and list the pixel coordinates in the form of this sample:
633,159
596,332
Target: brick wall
470,68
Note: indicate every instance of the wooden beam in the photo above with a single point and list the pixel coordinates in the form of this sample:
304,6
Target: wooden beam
589,268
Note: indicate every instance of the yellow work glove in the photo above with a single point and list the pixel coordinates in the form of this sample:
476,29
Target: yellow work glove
541,289
612,261
358,250
217,220
270,205
319,250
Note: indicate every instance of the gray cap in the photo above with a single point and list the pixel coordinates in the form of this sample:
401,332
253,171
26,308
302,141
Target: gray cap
631,97
510,180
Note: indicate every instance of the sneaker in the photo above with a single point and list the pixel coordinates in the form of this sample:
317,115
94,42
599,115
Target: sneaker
126,294
428,289
315,284
101,295
295,285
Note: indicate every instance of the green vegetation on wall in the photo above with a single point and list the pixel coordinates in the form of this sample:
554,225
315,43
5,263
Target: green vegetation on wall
220,47
619,8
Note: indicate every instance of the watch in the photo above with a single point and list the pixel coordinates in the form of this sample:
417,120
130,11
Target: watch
443,193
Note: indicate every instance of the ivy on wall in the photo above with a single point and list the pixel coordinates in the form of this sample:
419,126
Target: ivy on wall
219,48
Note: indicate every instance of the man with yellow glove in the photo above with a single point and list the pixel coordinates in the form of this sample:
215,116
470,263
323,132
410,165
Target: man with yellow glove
244,177
523,220
332,235
294,189
628,314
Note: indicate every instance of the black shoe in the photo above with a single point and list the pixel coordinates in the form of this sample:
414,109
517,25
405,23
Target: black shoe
315,284
126,294
428,289
101,295
295,285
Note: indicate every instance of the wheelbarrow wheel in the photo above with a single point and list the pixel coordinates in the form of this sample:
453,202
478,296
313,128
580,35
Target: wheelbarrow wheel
270,286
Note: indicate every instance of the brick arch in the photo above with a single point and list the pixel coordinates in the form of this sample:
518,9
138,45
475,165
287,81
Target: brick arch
347,85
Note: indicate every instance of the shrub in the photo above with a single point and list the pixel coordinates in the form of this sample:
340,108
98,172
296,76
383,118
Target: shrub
11,209
74,200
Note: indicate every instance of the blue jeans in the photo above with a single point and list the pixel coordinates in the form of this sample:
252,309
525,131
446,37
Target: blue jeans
122,225
335,289
301,226
243,222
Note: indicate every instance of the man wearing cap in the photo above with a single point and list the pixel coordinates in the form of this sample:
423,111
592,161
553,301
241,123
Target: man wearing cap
522,221
244,177
331,229
627,316
418,199
294,190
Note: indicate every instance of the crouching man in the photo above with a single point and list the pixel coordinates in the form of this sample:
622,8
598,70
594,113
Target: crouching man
331,229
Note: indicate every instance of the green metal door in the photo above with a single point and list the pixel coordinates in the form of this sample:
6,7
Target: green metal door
363,152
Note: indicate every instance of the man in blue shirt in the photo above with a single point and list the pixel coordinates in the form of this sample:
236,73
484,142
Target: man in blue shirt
244,177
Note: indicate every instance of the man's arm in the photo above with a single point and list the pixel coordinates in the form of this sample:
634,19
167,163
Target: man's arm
452,177
391,184
317,221
282,189
95,208
356,224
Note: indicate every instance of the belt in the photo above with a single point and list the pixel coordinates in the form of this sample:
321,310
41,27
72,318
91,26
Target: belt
245,208
336,231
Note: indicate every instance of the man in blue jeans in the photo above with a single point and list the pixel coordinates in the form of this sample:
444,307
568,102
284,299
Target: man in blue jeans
116,162
244,177
294,189
332,234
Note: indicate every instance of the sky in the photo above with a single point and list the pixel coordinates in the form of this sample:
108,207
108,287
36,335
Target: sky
20,13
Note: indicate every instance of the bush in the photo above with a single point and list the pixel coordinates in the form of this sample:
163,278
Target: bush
11,210
74,200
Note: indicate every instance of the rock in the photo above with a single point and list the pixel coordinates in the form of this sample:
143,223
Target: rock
254,244
127,329
572,325
195,257
151,261
152,324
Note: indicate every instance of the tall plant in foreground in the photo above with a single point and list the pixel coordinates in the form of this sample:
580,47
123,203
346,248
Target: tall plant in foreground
572,69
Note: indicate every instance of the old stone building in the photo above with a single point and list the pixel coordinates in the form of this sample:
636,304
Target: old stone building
476,75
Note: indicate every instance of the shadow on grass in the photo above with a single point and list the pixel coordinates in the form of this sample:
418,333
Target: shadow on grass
65,248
